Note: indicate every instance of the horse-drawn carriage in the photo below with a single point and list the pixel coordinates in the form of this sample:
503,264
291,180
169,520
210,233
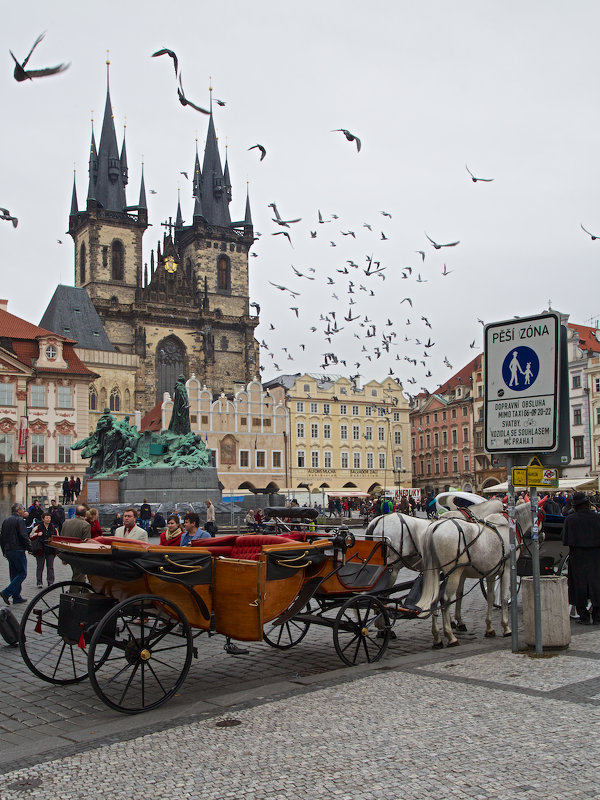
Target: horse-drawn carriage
133,628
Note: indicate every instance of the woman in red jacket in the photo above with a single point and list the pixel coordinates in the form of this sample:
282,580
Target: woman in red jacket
95,527
172,536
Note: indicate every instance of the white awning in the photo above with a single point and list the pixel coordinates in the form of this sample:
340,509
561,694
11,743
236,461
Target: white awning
346,493
564,485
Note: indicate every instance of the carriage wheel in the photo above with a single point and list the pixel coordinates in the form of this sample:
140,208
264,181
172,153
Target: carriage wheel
151,652
497,590
48,654
355,630
289,634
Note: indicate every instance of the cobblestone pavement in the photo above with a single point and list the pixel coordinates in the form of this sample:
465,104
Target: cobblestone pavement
472,722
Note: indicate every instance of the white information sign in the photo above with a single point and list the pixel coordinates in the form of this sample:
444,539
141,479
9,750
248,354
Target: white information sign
521,384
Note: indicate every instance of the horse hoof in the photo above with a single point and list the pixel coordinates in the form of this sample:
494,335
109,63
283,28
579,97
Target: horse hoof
490,634
453,625
462,628
506,633
455,643
437,645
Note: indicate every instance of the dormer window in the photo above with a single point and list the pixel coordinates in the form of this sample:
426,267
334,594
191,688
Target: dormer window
51,352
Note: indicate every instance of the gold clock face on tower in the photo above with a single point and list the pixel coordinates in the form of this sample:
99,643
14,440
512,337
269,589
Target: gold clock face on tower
170,264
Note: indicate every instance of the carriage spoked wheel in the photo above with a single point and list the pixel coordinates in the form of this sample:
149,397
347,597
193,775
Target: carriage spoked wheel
289,634
356,629
48,654
151,651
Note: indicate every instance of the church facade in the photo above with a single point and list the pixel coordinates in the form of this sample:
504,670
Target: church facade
188,312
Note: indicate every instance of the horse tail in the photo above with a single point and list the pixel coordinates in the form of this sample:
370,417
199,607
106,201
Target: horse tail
430,591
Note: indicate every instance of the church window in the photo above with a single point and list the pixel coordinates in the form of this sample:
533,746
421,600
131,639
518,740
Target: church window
105,256
115,400
188,269
224,343
170,364
117,261
82,263
93,403
223,274
127,400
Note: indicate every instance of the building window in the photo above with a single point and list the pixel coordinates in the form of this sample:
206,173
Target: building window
65,399
105,256
445,462
244,458
223,282
314,430
6,394
64,449
398,463
420,441
597,384
426,419
356,460
414,443
381,434
422,466
300,458
261,459
465,435
455,464
355,411
578,447
38,447
343,408
435,417
256,422
398,437
466,463
597,415
381,460
453,413
368,411
465,411
443,416
82,263
343,431
356,433
300,430
396,416
454,436
436,467
306,387
276,459
38,396
93,399
428,440
314,459
429,467
314,408
115,400
577,416
6,446
436,439
327,430
326,408
300,407
576,384
444,438
370,461
117,261
327,459
369,433
204,419
381,413
344,460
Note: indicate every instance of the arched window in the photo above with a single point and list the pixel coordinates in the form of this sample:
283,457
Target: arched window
188,269
127,400
82,263
115,400
223,283
93,403
170,364
117,261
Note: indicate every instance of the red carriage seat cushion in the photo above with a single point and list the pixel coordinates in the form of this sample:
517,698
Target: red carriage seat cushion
250,546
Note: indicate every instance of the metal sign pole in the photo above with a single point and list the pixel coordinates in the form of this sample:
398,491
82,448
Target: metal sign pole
512,528
535,563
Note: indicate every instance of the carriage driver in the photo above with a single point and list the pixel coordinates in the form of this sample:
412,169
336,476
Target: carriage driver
581,531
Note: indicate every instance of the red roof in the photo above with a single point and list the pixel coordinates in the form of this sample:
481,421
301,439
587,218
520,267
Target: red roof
587,337
16,328
152,421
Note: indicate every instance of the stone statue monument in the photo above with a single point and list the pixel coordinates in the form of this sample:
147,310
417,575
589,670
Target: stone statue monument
180,419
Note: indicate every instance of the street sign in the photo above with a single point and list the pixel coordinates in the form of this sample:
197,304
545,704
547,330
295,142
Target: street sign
534,474
521,386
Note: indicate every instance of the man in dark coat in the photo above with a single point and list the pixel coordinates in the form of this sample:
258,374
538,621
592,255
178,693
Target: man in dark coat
581,532
15,542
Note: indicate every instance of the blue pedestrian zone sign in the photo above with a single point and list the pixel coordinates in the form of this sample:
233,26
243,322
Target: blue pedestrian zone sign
521,384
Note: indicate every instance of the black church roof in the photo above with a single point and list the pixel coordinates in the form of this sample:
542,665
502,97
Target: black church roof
71,313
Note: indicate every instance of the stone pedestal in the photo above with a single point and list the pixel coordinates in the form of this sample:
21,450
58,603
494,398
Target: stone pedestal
556,626
170,485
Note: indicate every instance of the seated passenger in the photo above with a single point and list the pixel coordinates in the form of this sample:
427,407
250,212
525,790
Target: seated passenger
129,529
250,521
192,529
258,519
172,536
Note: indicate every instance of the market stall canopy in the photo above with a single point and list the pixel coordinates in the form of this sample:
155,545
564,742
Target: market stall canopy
345,493
564,485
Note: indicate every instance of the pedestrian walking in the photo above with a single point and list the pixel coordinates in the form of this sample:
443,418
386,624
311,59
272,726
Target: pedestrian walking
211,525
14,543
581,532
77,487
43,552
57,515
66,490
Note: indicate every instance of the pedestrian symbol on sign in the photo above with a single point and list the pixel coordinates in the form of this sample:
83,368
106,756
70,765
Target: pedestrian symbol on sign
520,368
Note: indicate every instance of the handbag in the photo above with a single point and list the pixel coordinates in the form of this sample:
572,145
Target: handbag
37,545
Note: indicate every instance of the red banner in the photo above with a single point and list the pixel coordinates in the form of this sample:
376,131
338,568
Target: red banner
23,431
416,493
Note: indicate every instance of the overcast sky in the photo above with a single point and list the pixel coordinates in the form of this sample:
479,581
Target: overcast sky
509,88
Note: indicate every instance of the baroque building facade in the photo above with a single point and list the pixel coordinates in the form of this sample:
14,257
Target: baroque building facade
189,311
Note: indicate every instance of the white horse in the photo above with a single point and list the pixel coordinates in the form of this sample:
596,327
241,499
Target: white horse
459,549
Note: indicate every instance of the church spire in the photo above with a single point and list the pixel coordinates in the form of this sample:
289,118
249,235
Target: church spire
110,184
179,217
196,184
93,166
226,178
248,215
124,170
214,199
142,201
74,208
